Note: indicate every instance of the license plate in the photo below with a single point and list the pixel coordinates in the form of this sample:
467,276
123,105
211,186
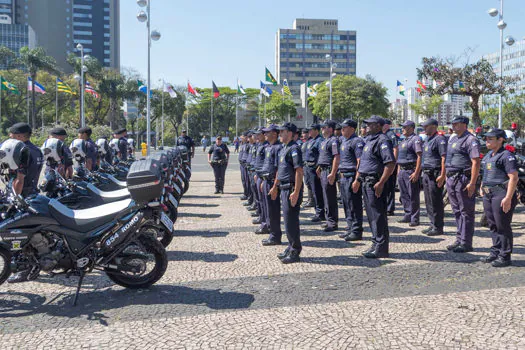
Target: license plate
173,200
166,221
177,188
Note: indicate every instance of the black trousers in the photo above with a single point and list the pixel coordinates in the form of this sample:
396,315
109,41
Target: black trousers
499,223
245,185
291,220
219,171
317,190
390,189
353,205
434,201
254,191
273,212
331,207
376,209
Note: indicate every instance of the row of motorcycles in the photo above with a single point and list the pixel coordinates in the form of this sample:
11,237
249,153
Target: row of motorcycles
117,219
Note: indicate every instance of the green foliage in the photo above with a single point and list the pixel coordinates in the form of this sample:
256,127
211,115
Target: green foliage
513,112
277,108
428,106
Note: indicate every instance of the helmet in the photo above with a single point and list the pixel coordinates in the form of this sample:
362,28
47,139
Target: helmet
131,142
14,154
103,146
114,144
53,149
78,149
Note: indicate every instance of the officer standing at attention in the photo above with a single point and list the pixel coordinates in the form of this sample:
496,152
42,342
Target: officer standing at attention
391,184
375,167
351,149
310,161
462,164
327,166
61,134
122,145
247,165
409,169
290,181
218,156
500,178
242,152
91,147
304,150
26,182
259,163
255,206
434,176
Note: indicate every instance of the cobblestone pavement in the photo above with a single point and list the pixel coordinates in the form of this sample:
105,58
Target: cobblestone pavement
223,289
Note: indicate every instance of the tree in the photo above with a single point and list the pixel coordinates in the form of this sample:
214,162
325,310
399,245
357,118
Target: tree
513,112
277,108
427,106
174,108
473,80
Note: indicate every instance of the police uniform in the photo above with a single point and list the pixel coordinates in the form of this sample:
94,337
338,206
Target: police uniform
460,152
495,167
68,156
409,149
390,186
304,153
219,163
245,157
253,183
249,172
434,148
329,150
310,161
242,151
377,152
259,162
351,149
188,143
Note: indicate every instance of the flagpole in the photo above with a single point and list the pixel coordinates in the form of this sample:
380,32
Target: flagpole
264,99
237,109
56,103
211,120
162,122
1,86
28,106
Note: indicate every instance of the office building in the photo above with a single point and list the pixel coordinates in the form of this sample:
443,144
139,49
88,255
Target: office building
16,36
513,63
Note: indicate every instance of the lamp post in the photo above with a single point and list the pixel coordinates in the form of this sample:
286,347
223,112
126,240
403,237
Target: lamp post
83,69
333,65
509,41
152,35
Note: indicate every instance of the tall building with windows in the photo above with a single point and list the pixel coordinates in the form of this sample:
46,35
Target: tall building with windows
12,35
513,63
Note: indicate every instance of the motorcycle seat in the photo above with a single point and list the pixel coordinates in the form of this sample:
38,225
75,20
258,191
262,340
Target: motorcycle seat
109,196
122,184
85,220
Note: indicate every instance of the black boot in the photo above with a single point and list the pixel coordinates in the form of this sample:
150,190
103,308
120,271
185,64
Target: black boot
291,258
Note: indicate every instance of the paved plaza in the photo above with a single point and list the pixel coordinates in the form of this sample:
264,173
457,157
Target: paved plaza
223,290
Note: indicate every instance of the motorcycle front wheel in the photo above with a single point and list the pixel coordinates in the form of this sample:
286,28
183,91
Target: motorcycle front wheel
142,263
5,264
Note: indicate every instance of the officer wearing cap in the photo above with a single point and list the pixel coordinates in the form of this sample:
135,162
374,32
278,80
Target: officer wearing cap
247,162
337,131
409,169
242,166
351,149
310,170
259,162
289,181
391,183
218,156
271,207
253,150
462,165
61,134
500,178
375,167
185,140
327,167
305,137
26,181
122,145
91,147
434,176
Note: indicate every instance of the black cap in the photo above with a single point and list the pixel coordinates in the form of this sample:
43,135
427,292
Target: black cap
258,131
329,123
20,128
430,121
496,133
460,119
85,129
375,119
245,133
388,121
271,127
349,122
58,131
219,137
408,123
289,126
119,131
338,126
315,126
305,130
183,131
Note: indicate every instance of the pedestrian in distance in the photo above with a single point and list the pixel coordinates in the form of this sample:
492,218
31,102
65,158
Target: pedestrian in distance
218,156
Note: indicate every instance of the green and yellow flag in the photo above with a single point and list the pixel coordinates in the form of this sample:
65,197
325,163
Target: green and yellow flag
270,78
7,86
63,87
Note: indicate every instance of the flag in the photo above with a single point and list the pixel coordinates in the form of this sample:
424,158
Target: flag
216,92
265,90
8,86
38,88
63,87
310,90
142,88
169,89
240,89
401,88
192,91
270,78
286,88
421,86
89,89
461,85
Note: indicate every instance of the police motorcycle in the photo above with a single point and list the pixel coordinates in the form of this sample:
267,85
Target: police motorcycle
41,234
521,178
185,166
176,175
167,198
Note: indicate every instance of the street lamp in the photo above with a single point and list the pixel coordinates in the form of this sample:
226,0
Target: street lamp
83,69
152,35
333,65
509,41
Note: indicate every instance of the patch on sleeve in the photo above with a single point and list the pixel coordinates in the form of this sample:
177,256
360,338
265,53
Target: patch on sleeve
442,142
512,158
294,154
384,145
475,144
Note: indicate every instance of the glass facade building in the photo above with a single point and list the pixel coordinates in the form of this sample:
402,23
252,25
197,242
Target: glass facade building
513,63
16,36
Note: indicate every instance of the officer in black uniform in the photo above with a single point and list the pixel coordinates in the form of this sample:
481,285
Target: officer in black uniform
61,134
434,176
259,163
26,182
218,156
409,169
91,147
289,181
375,167
327,167
351,149
185,140
500,178
247,164
310,170
391,183
242,166
253,185
122,145
304,150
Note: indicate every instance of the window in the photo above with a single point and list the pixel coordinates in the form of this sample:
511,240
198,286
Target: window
83,7
82,24
82,32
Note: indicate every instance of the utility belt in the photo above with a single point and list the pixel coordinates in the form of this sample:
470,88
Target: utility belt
287,186
219,162
326,168
407,166
369,179
267,177
495,188
456,173
432,172
310,164
349,173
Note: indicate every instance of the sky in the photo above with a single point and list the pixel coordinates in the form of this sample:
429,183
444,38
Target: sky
229,39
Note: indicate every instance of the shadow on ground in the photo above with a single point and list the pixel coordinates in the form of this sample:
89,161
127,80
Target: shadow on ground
198,256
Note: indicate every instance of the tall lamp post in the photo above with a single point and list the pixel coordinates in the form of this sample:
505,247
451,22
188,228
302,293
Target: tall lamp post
80,79
333,65
152,35
509,41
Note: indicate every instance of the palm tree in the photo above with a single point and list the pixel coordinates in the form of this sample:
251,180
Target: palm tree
6,56
35,60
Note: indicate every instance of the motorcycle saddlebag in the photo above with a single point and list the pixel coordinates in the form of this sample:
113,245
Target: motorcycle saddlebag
144,180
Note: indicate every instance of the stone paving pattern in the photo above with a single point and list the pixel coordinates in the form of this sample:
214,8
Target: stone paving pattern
224,290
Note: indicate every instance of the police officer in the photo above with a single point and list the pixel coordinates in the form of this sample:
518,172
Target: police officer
500,178
122,145
259,163
327,166
61,134
375,167
351,149
434,176
185,140
391,183
91,147
253,185
26,181
304,150
272,207
409,169
242,152
247,164
218,156
462,165
310,170
338,131
289,181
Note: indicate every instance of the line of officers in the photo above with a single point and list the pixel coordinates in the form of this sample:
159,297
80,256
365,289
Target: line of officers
365,169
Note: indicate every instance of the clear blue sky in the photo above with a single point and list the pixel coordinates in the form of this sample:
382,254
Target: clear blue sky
223,40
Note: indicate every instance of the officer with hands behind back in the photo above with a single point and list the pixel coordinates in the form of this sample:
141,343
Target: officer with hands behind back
218,156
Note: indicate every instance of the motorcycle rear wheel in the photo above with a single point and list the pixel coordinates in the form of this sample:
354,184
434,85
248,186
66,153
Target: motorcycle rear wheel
5,264
156,256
